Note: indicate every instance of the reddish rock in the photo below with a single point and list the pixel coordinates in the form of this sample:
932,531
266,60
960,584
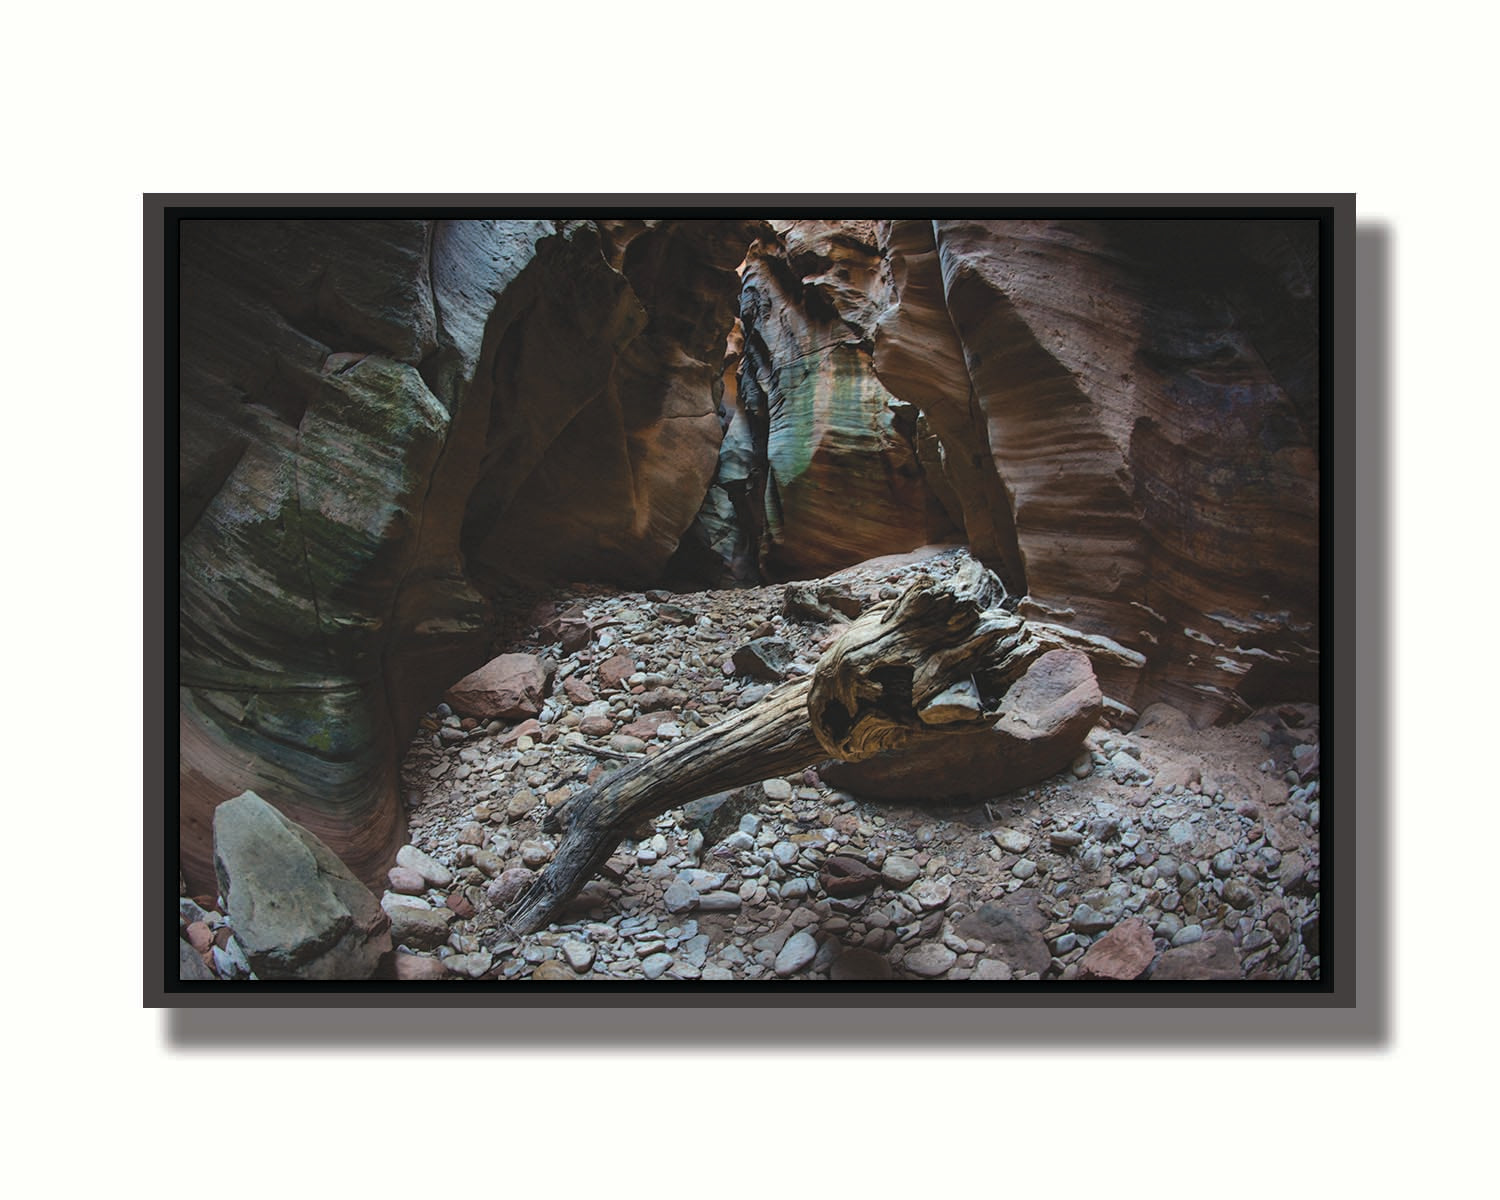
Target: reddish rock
531,728
841,478
596,726
820,601
505,688
543,618
577,691
200,937
614,372
1212,958
1120,379
1123,953
410,967
1309,766
571,628
845,876
657,698
645,727
615,671
406,881
1181,775
460,906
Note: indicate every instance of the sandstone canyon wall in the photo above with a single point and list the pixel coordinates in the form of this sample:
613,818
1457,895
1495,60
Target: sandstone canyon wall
383,423
386,424
821,465
1145,393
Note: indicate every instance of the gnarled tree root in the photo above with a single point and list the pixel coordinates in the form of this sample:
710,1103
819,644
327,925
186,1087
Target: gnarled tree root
934,662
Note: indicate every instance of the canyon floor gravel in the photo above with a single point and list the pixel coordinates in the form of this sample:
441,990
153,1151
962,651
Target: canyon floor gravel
1165,852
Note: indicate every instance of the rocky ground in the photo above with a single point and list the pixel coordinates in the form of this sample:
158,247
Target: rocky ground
1164,853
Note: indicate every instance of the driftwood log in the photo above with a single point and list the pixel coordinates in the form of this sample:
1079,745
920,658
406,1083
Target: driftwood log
907,672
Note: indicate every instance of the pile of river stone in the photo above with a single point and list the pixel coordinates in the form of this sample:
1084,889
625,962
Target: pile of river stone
1128,866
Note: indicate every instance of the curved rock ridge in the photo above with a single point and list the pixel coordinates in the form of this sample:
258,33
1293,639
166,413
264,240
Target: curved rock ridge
384,422
832,473
620,371
1147,397
918,355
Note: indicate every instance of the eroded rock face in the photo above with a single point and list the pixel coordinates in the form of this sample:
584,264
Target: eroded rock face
721,547
831,473
382,423
918,355
296,909
618,375
1144,394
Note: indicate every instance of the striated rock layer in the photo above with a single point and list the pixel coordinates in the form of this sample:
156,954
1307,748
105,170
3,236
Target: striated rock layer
821,464
384,422
1129,417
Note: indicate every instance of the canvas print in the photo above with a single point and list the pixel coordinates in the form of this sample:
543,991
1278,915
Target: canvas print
666,602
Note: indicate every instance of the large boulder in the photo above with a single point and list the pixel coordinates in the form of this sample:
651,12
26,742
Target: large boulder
296,910
1213,958
1123,953
510,687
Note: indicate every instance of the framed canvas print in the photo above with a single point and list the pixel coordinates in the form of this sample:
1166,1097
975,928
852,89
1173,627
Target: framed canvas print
795,600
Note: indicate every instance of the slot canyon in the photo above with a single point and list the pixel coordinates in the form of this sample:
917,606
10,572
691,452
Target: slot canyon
485,522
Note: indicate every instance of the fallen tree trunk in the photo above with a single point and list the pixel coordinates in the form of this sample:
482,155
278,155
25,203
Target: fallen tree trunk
908,673
769,738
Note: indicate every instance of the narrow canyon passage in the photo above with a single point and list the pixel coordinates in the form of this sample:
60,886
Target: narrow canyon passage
409,447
